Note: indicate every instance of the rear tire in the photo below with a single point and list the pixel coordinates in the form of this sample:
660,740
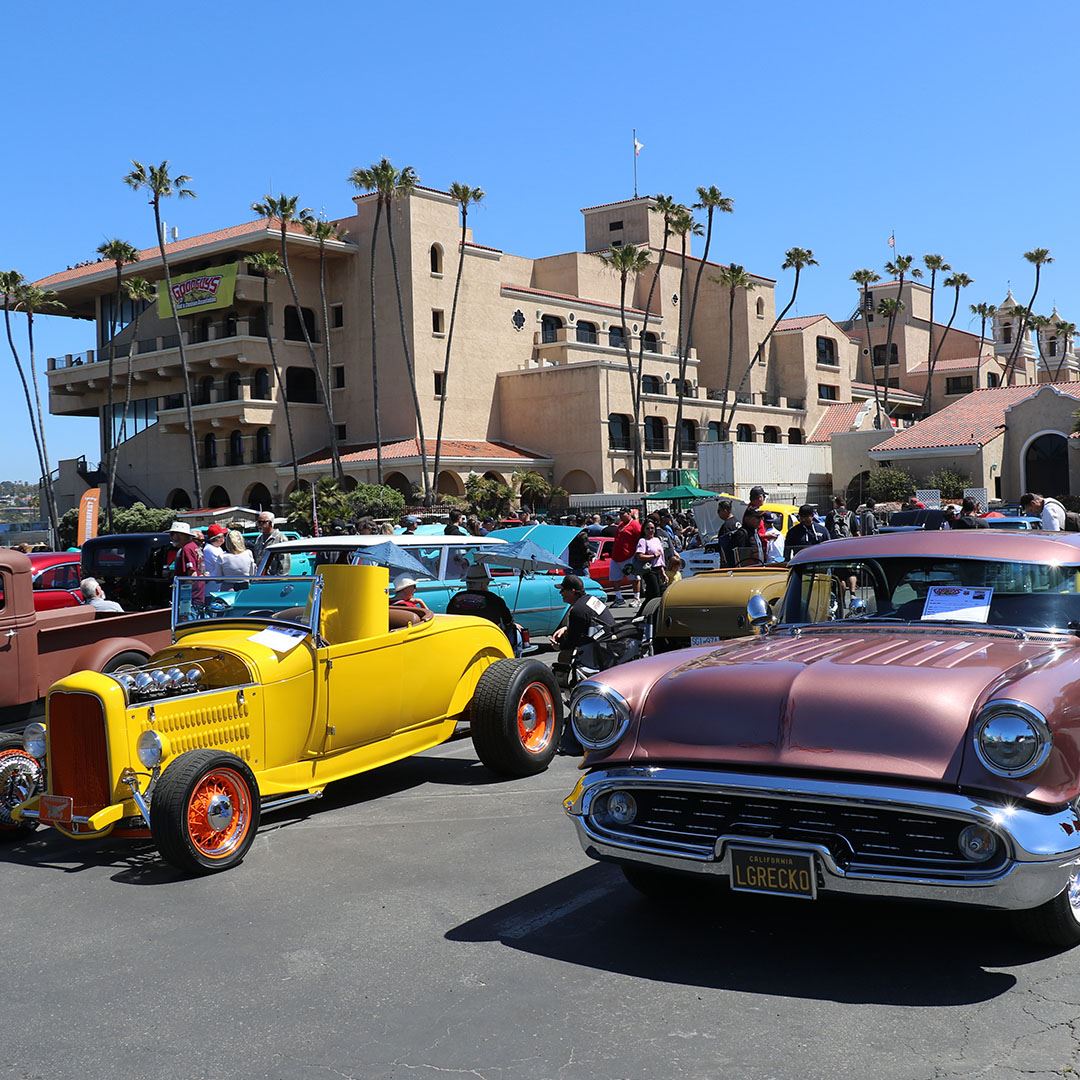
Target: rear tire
1057,922
516,717
125,661
21,778
205,812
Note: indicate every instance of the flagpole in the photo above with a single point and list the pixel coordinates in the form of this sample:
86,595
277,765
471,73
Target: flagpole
633,147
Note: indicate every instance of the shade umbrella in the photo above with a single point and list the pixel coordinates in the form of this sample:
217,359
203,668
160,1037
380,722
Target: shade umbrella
525,556
396,559
682,493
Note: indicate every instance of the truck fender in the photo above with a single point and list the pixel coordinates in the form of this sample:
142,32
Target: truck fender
95,657
466,686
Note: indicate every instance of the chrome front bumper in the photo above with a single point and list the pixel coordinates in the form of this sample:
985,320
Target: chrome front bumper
1043,848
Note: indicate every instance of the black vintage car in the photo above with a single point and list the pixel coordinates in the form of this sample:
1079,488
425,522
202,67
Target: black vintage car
133,568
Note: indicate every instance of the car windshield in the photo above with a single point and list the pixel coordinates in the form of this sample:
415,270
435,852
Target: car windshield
935,590
288,601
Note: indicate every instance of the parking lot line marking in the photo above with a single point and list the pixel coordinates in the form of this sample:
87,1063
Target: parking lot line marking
519,928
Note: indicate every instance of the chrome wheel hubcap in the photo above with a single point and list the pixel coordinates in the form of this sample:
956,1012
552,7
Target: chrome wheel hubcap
528,717
219,813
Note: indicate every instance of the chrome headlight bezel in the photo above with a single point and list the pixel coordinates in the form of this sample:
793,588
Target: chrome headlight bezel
1017,710
612,701
149,749
34,740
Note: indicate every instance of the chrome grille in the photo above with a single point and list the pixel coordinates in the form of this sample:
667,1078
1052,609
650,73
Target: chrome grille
859,838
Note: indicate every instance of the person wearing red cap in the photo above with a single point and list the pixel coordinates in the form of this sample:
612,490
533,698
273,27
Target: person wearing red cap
215,543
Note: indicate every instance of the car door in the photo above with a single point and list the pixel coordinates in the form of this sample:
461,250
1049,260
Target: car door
363,689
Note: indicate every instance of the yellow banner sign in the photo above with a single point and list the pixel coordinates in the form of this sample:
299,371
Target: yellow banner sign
205,290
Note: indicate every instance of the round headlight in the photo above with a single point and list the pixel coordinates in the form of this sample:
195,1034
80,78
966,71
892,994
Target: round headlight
149,749
599,716
193,676
176,677
977,843
621,808
33,740
1012,739
161,679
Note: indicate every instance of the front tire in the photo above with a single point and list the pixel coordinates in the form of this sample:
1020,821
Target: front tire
516,717
1057,922
21,778
125,661
205,812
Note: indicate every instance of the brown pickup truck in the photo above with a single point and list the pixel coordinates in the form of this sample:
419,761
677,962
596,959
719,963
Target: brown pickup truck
39,647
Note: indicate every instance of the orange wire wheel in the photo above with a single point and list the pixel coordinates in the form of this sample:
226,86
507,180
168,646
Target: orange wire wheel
536,717
219,813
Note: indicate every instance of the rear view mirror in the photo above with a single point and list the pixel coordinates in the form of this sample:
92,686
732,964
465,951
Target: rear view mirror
758,613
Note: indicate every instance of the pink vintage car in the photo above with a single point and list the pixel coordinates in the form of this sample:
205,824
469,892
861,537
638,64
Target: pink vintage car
909,727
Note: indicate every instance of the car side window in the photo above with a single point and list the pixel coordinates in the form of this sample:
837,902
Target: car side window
44,580
71,576
457,562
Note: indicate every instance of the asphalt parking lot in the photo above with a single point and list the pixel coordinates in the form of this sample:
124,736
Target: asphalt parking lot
429,920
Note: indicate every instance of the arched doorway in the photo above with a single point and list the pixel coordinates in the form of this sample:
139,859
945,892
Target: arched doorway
1046,464
496,476
450,484
578,482
623,480
258,497
178,499
218,497
399,482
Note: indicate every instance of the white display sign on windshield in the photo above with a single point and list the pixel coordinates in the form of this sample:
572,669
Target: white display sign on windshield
957,603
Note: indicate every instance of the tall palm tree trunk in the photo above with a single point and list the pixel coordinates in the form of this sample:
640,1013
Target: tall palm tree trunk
978,359
731,352
1010,367
889,344
326,324
374,355
335,457
635,400
280,383
931,352
639,457
123,418
690,318
867,311
108,426
683,351
408,358
449,345
54,517
928,401
193,445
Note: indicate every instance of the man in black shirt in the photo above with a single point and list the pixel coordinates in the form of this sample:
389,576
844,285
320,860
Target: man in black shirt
803,534
586,612
969,517
840,521
746,544
454,528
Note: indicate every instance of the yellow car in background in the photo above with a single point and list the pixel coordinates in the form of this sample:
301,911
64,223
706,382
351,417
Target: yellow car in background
247,713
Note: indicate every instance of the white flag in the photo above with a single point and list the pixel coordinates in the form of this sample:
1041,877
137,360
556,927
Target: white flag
638,147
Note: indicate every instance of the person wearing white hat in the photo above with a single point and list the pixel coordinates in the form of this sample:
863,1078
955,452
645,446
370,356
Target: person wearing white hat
188,561
405,595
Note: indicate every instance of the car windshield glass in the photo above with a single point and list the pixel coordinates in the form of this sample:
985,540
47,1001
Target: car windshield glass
288,601
935,590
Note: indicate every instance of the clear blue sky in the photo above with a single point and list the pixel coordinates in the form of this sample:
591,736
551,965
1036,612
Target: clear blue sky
829,124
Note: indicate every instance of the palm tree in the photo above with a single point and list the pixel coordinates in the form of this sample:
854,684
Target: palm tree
899,267
957,282
625,260
1039,323
284,211
1038,257
1066,331
864,278
732,278
890,308
390,183
269,265
11,282
985,312
683,226
794,259
140,293
465,196
120,253
161,184
321,230
31,300
936,264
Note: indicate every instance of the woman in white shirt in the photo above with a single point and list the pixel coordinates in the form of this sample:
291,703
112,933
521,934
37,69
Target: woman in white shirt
650,556
236,560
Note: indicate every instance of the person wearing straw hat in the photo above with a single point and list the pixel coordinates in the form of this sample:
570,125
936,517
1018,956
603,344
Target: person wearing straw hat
188,561
405,595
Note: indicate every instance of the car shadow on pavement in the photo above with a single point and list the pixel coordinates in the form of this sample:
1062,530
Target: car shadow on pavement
839,949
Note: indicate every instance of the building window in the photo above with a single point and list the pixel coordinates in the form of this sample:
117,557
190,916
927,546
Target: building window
959,384
652,384
339,376
1006,333
232,386
209,460
619,432
879,355
236,448
587,333
1051,346
687,436
204,394
655,433
770,435
652,342
293,329
438,325
615,226
794,436
683,388
617,337
262,445
992,379
262,384
746,433
438,377
715,432
759,307
550,325
339,432
300,385
826,352
436,258
828,393
893,384
337,316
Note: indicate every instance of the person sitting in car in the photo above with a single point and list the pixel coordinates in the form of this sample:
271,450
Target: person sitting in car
405,595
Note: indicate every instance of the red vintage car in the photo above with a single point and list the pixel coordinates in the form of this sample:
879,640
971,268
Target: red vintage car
908,728
55,577
600,566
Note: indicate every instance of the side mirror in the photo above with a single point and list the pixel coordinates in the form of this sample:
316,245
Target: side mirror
758,613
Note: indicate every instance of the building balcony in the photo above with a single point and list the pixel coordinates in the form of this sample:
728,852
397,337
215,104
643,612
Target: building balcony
562,346
240,412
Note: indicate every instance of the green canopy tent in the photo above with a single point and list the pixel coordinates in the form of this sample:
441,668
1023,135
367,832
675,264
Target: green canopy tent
682,493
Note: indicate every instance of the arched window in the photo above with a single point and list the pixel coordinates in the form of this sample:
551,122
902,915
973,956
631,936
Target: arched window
794,436
746,433
436,258
770,435
1051,346
236,448
683,387
232,386
879,355
652,342
205,394
826,351
687,435
262,445
550,325
258,498
218,497
652,384
587,333
300,385
759,307
617,337
209,452
619,432
293,330
1006,333
992,379
655,433
715,432
262,384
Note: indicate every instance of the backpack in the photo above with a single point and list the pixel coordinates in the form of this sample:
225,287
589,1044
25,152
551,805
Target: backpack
838,524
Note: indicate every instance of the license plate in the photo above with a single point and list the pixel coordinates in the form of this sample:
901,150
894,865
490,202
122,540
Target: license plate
55,808
777,873
696,641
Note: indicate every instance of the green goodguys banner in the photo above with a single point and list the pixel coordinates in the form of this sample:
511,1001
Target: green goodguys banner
205,290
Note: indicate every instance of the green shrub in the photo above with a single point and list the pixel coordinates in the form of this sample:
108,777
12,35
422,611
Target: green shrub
889,483
951,484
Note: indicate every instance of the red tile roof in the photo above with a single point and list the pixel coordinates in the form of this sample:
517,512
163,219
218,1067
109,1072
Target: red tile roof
957,363
799,322
837,418
974,420
618,202
409,449
567,297
233,232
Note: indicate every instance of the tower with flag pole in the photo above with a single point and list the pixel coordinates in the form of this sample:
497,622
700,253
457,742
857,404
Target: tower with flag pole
638,147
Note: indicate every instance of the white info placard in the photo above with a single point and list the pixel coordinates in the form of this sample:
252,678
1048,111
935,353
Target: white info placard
957,603
281,639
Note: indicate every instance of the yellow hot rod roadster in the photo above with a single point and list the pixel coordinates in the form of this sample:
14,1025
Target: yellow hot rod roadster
257,705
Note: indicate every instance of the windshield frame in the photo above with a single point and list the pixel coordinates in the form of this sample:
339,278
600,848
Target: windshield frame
893,623
314,595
